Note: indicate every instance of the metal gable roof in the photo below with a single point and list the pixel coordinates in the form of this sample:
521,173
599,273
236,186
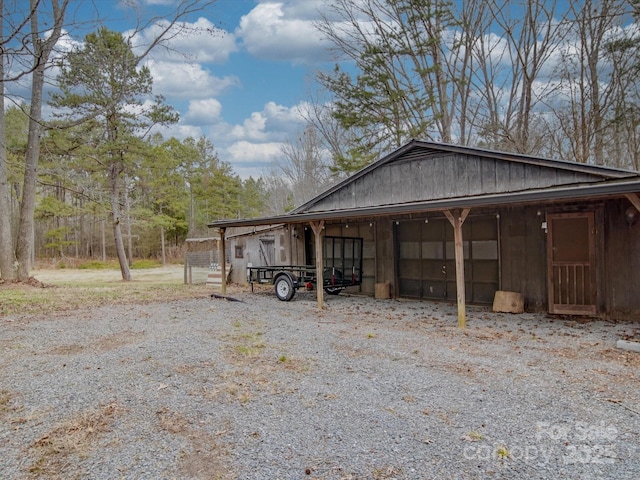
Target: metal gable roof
416,149
606,182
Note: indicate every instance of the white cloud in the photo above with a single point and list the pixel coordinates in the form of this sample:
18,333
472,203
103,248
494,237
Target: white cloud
203,112
252,146
252,128
20,69
159,2
275,32
302,9
251,159
274,121
200,41
66,43
188,80
282,116
192,131
179,131
244,152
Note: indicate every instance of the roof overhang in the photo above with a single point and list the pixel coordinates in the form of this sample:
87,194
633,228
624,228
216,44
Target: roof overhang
590,191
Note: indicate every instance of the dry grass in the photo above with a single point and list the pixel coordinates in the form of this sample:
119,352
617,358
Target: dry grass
257,365
6,400
386,471
10,409
207,456
249,345
172,422
74,438
70,289
104,344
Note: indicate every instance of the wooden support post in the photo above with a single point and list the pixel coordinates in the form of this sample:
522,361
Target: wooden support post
186,266
317,231
222,262
456,219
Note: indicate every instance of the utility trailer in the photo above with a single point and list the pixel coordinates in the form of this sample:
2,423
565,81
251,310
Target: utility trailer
342,259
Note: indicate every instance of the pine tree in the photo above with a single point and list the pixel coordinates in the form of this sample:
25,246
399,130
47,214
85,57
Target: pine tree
103,86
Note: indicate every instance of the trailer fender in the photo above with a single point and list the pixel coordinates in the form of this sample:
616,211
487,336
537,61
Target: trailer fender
285,285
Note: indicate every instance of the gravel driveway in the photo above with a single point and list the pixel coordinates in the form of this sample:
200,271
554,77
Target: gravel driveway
366,389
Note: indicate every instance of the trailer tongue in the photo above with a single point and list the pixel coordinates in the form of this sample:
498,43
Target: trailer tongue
342,259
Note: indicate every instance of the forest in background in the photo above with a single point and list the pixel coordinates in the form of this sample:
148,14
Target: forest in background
554,79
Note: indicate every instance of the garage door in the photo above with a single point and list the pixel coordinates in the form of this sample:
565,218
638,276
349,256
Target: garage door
426,259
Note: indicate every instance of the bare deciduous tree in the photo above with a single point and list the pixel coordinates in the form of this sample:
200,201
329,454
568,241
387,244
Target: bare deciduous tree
41,48
7,255
594,79
305,166
403,87
517,45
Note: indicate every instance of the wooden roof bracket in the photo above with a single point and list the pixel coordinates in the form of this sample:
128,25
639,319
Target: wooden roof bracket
634,199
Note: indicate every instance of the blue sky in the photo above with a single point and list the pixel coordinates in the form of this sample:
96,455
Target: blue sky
244,86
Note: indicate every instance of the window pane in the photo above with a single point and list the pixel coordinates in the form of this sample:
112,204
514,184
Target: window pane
432,250
410,250
485,249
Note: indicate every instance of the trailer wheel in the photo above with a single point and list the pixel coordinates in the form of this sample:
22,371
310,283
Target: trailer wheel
333,290
284,288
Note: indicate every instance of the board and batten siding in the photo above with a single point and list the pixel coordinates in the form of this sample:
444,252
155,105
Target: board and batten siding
444,176
523,255
621,262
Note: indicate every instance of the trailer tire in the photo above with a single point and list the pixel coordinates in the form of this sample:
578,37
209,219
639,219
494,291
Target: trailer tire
284,288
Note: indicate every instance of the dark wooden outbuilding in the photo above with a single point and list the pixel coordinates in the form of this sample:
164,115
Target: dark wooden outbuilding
435,217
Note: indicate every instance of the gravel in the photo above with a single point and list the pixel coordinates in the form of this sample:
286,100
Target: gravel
366,389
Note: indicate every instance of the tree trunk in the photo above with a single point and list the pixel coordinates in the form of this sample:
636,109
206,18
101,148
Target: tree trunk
114,176
42,48
27,207
7,258
103,239
127,206
164,256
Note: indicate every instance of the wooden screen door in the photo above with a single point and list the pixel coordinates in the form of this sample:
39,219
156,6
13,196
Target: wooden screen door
571,263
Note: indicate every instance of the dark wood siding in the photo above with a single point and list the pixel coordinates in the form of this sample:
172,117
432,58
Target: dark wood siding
523,257
523,254
621,248
444,176
385,265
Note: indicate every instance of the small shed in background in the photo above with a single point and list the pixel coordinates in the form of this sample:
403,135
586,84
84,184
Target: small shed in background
202,259
269,245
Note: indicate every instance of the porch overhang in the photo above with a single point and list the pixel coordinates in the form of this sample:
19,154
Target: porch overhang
574,192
